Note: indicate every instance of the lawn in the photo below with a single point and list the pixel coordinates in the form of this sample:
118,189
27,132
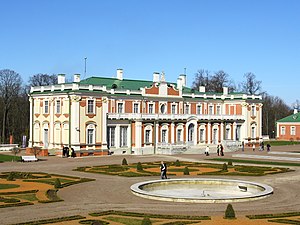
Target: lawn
9,158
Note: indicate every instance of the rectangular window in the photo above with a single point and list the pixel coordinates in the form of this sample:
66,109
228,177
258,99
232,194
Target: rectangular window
253,134
173,109
90,108
123,136
211,110
58,107
187,109
227,134
282,131
199,109
218,110
46,107
150,109
164,136
120,107
90,136
202,135
293,130
111,136
147,136
253,110
179,135
135,108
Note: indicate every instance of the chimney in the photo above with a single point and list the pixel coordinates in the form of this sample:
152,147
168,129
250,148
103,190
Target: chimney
61,79
76,78
155,77
179,83
120,74
225,90
295,110
202,89
183,79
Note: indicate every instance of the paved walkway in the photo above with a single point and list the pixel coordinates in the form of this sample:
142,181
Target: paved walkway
113,192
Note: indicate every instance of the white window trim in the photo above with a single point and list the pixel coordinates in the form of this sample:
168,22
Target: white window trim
201,109
202,127
164,127
253,112
87,106
220,107
56,112
211,106
189,108
150,128
117,106
166,107
293,130
91,127
138,107
282,130
44,108
148,108
180,127
176,106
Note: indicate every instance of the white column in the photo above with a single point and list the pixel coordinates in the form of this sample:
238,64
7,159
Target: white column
75,127
104,123
234,131
138,136
209,133
30,141
172,133
51,124
222,132
117,137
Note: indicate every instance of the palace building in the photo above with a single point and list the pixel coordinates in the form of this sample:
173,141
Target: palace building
288,128
99,115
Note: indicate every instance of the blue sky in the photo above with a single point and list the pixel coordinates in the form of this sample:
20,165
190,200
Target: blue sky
146,36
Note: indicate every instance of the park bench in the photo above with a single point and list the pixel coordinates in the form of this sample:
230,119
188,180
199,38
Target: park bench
29,158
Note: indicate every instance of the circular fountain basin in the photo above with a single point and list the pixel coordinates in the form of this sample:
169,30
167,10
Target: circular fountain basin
201,190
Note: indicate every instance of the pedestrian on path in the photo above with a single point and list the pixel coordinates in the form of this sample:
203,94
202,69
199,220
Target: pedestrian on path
207,150
253,147
268,147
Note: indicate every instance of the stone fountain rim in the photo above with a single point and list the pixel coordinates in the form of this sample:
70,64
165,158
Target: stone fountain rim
268,190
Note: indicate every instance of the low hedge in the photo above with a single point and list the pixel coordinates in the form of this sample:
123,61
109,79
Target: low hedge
19,192
285,221
54,220
278,215
158,216
16,204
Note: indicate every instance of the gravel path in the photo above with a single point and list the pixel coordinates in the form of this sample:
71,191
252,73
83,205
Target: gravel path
112,192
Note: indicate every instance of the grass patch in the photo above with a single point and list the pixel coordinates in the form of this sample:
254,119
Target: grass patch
27,197
270,216
9,158
8,186
282,143
255,162
124,220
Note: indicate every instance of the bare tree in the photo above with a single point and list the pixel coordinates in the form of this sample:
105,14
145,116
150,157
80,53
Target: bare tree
10,86
251,85
202,78
42,79
213,83
274,108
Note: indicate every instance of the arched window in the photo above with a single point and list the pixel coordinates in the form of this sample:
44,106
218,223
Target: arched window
148,134
164,134
90,134
179,133
191,131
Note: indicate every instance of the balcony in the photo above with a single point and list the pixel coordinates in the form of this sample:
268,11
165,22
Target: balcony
145,116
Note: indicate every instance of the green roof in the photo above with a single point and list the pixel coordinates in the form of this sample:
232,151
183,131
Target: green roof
291,119
116,83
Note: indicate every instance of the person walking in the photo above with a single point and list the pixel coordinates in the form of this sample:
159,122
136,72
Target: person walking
163,170
222,150
243,146
253,147
207,150
218,150
268,147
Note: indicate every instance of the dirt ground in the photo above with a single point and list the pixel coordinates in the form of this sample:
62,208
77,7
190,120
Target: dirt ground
113,192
